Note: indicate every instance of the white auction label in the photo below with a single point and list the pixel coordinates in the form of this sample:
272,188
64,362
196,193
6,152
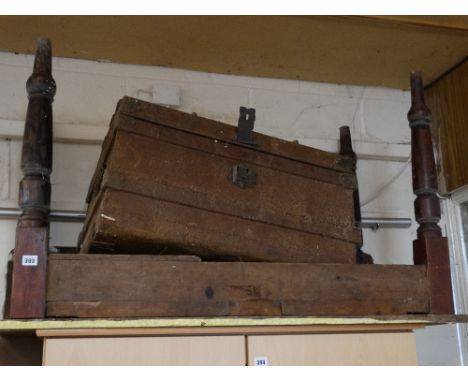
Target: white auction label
261,361
29,260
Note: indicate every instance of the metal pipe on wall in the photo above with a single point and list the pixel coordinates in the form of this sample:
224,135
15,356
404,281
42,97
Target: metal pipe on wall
79,216
55,215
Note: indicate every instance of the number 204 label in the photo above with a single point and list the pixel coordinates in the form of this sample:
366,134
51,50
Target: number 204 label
261,361
29,260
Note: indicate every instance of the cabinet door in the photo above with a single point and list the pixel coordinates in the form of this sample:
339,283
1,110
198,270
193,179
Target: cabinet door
396,348
142,351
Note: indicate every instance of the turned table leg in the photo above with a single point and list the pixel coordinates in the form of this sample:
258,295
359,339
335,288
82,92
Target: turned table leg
28,289
430,248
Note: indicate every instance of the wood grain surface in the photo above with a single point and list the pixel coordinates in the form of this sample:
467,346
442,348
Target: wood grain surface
333,49
150,351
365,349
100,287
447,98
163,184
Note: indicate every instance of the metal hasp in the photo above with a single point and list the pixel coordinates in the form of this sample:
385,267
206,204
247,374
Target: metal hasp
245,126
430,248
27,297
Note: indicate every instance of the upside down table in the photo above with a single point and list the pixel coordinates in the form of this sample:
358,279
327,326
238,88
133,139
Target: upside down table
423,288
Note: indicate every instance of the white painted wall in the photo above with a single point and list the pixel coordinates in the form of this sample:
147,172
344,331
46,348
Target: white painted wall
309,112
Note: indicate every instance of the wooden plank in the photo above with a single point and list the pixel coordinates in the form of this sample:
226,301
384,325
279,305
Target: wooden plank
447,99
89,288
223,330
11,327
449,22
227,149
125,257
124,123
342,349
154,351
155,226
225,133
309,48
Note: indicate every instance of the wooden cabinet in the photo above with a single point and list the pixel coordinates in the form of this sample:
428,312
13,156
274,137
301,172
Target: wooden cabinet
333,349
146,351
273,346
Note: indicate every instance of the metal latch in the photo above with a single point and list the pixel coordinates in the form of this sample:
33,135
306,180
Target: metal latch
245,126
243,176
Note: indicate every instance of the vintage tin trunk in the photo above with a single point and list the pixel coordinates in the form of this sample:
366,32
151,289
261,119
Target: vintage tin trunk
172,182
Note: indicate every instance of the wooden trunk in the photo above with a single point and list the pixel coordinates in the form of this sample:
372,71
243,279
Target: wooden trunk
172,182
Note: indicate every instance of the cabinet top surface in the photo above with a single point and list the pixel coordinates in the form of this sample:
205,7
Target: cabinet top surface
255,323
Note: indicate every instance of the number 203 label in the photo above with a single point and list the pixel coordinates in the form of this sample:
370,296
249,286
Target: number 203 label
29,260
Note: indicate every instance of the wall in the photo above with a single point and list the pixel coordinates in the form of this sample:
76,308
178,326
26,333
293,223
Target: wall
309,112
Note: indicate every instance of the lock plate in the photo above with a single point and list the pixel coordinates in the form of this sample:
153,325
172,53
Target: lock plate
243,176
